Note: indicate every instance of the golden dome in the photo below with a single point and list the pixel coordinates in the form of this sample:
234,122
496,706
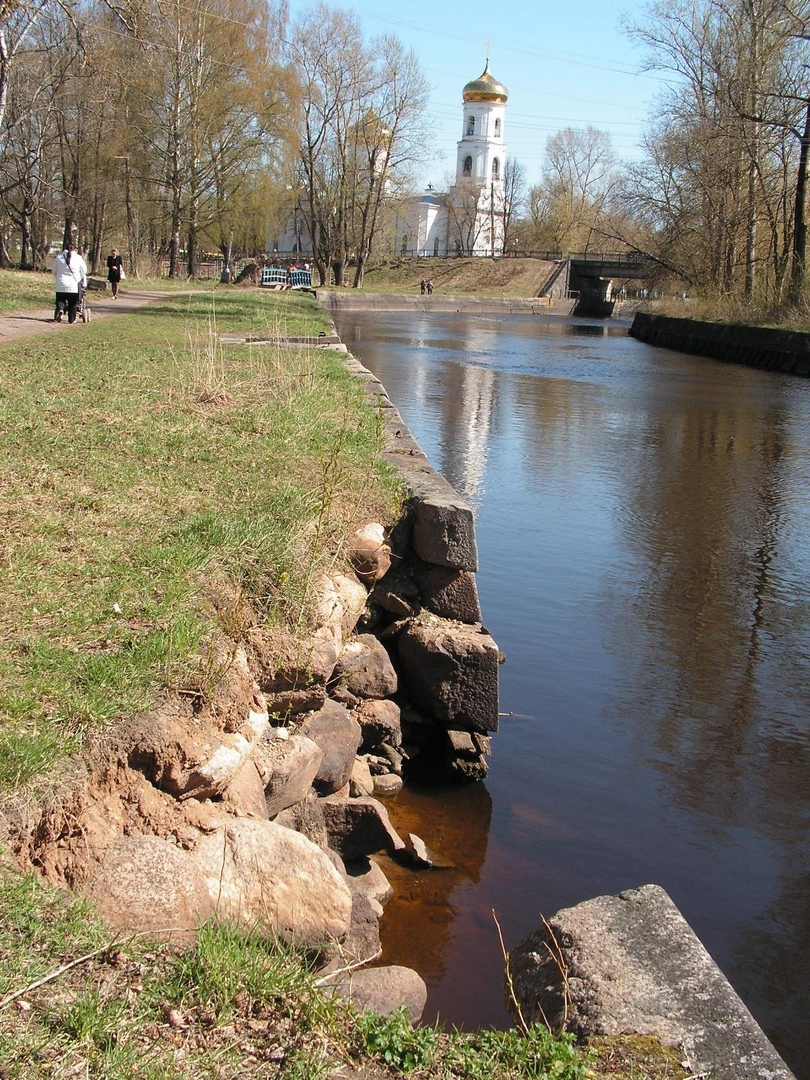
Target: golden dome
485,88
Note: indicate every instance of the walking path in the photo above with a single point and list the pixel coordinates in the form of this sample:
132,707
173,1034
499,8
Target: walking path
40,321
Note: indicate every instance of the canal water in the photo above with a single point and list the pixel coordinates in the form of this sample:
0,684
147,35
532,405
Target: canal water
643,521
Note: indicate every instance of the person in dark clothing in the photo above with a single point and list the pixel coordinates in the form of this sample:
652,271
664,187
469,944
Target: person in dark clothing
115,266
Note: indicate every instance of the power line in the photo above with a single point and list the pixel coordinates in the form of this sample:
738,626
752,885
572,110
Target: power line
597,63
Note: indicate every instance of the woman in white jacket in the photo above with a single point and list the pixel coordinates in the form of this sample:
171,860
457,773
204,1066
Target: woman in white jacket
69,276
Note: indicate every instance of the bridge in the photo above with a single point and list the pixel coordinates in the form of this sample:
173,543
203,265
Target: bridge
588,277
625,264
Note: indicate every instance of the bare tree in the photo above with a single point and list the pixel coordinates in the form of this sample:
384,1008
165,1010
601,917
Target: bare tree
390,140
17,20
569,204
716,184
362,129
202,107
514,196
335,71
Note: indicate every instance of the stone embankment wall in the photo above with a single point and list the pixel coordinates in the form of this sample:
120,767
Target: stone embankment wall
481,305
754,346
426,610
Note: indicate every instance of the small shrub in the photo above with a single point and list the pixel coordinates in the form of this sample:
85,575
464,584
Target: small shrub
395,1042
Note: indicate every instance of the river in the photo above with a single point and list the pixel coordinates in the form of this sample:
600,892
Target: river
643,522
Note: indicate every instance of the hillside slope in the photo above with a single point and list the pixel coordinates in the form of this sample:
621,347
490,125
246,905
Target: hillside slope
482,276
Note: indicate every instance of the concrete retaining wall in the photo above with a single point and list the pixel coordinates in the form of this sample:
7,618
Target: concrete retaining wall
754,346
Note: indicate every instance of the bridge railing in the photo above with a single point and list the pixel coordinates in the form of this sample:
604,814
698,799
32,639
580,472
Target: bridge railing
278,276
621,257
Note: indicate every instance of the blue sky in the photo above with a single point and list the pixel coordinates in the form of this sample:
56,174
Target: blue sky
563,65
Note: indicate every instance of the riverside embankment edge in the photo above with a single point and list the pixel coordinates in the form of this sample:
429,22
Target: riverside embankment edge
786,351
712,1025
334,301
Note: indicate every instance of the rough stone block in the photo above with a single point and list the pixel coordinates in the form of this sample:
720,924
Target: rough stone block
633,964
443,524
359,827
338,735
450,594
449,670
288,769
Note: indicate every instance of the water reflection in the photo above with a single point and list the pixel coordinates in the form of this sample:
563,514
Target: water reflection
642,525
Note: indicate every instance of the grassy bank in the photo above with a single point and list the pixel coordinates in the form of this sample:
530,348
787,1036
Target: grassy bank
146,474
25,290
480,276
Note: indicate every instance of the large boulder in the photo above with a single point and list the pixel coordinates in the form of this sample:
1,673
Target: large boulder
148,885
380,723
340,604
384,990
338,736
450,672
244,796
369,553
631,963
259,874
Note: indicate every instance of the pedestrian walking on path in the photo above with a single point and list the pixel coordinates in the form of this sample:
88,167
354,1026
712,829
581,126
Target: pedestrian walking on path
69,278
115,271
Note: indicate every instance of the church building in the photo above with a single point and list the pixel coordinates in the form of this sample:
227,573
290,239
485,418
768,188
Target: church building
469,218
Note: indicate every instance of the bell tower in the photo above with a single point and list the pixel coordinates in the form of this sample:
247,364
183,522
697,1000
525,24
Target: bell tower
476,200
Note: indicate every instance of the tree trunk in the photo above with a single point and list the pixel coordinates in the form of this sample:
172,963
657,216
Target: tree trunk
191,246
359,272
174,245
799,221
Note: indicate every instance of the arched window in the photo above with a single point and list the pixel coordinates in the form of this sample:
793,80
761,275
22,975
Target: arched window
470,125
496,169
435,245
467,165
497,129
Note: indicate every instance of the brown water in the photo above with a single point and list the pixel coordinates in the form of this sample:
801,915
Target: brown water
643,520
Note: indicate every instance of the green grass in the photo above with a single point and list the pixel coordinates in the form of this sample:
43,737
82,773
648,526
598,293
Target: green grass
145,470
21,290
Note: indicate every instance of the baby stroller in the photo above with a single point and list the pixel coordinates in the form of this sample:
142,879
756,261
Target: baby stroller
82,310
